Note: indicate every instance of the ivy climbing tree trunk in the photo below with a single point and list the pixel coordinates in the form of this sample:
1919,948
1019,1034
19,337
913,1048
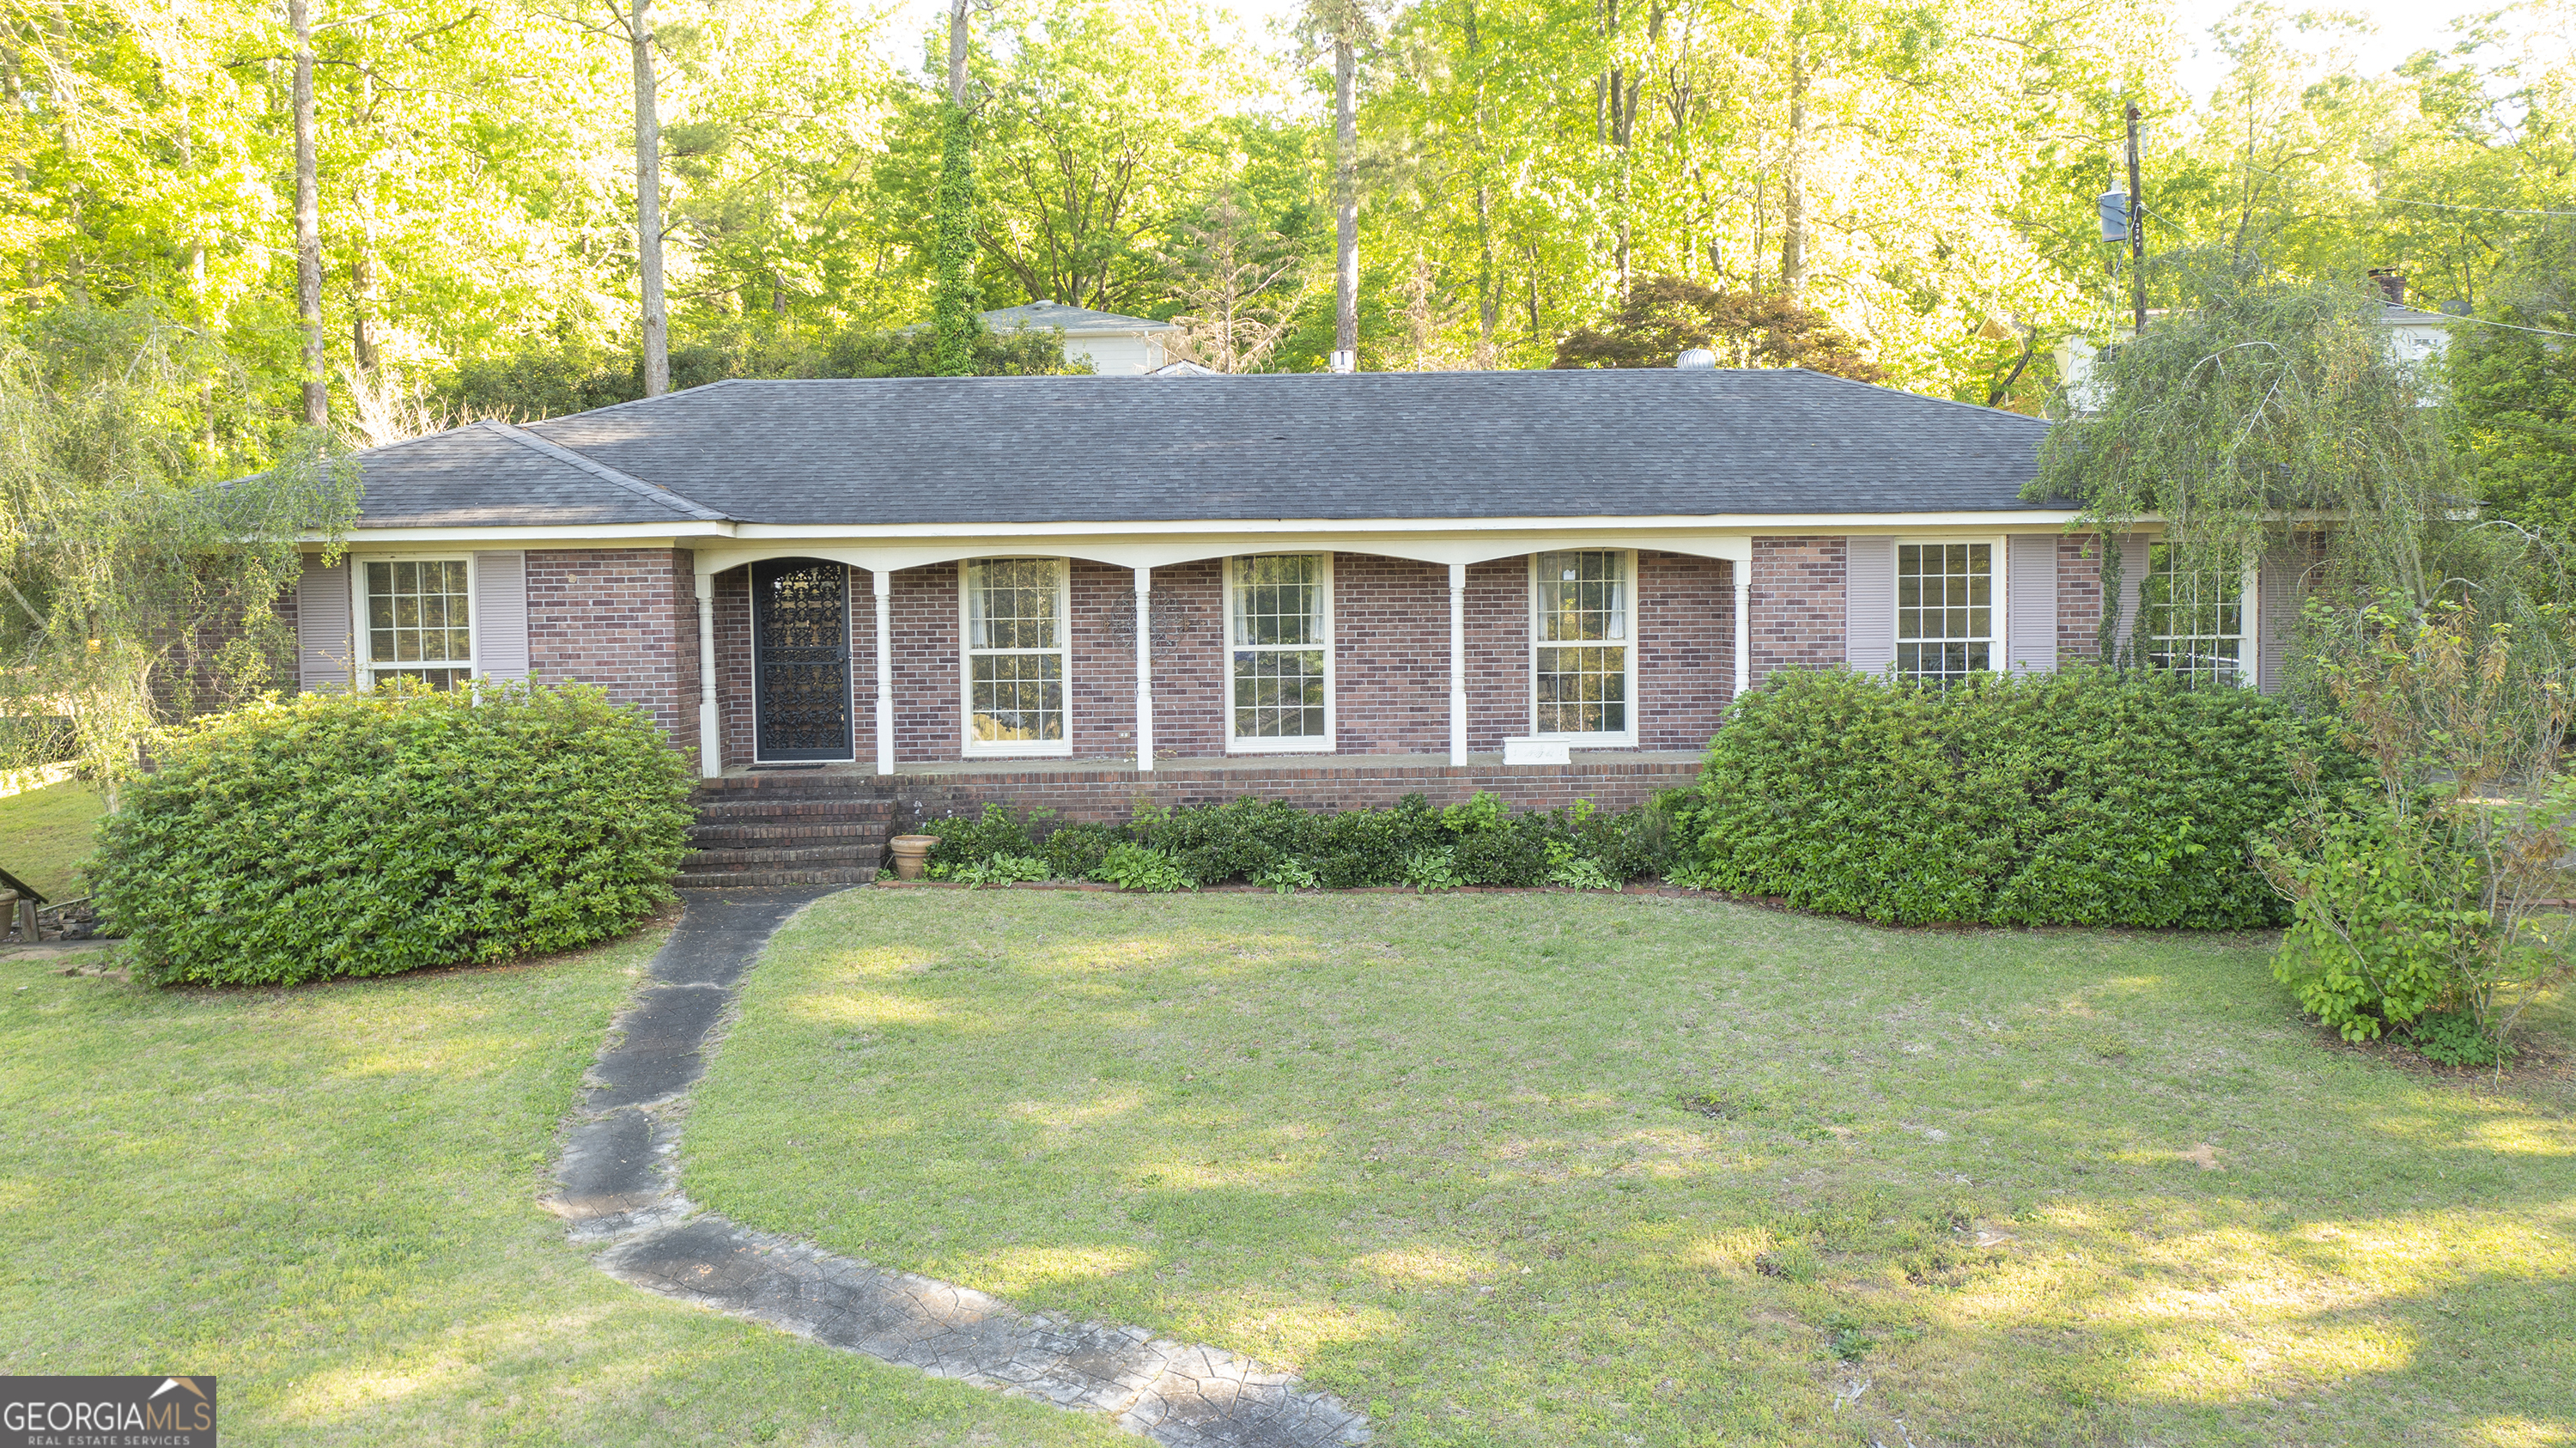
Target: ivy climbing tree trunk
308,222
954,302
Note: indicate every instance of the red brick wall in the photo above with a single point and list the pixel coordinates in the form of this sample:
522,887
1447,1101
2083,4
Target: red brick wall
1685,659
1797,604
1189,659
733,663
1498,654
624,619
863,664
928,725
1100,691
2079,597
1390,655
1094,793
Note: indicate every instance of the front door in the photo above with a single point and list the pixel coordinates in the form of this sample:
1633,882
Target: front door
800,649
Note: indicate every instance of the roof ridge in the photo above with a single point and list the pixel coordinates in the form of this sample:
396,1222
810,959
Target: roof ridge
1901,392
652,492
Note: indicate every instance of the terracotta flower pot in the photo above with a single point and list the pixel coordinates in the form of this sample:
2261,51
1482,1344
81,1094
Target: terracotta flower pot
911,854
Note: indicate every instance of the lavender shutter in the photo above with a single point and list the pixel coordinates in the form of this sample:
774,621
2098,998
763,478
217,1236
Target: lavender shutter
501,615
1869,604
2030,602
323,645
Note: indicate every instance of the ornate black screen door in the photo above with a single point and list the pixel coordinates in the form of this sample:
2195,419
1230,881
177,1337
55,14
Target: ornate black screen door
800,634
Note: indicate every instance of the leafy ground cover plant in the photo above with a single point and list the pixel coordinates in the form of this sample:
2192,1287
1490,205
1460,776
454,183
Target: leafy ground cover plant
367,834
2084,797
1274,844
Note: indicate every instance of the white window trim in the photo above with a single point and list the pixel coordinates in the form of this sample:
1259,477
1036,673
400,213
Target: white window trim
2249,619
363,646
1998,617
969,747
1625,738
1322,744
849,650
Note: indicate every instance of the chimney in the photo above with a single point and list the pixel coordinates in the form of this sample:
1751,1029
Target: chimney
2392,283
1346,361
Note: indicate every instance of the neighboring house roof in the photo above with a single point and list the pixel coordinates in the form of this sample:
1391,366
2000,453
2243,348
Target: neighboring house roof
1401,445
490,474
1072,321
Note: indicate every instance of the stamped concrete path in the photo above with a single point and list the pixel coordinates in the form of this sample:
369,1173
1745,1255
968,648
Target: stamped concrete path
618,1185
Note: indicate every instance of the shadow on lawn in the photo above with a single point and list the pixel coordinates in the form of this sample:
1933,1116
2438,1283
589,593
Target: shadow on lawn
1436,1156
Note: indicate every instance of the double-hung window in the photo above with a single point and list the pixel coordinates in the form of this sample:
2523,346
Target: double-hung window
1579,655
1945,610
1015,656
420,620
1279,630
2193,623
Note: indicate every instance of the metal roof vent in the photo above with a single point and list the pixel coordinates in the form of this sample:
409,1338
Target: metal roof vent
1697,359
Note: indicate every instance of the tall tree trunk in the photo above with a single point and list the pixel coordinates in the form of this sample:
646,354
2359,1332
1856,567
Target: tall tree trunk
362,267
648,204
953,300
1793,200
1346,202
308,223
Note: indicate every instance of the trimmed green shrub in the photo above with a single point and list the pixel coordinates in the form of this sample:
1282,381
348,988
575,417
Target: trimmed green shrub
367,834
2083,797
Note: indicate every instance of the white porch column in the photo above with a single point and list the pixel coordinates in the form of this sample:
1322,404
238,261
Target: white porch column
1144,669
1457,665
884,578
710,738
1743,571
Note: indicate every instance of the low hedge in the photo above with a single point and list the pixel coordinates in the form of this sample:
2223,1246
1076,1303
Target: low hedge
2083,797
1274,843
367,834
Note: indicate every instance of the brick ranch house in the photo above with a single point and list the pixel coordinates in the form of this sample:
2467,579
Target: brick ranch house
859,602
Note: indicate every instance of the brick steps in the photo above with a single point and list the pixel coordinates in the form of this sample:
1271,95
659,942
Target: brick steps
800,835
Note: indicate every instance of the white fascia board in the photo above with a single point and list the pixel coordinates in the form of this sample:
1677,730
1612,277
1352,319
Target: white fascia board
1766,524
630,535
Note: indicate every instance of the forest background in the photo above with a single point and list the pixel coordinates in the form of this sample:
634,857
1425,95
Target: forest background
1923,176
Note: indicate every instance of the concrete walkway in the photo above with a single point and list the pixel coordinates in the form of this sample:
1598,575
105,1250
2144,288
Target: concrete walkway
618,1186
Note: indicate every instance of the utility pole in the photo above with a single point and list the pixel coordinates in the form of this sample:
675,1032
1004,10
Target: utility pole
2137,226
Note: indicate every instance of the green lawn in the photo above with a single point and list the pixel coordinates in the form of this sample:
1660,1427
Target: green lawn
45,835
1581,1170
327,1198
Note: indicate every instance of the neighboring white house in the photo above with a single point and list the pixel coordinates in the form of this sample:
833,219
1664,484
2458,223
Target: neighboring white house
1114,345
2416,336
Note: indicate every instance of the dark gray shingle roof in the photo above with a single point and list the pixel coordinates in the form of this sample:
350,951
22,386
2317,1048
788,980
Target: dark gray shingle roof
490,474
1363,446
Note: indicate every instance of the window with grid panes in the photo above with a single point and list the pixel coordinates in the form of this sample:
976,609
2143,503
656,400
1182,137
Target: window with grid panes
1015,654
1579,660
2194,623
420,621
1945,613
1279,630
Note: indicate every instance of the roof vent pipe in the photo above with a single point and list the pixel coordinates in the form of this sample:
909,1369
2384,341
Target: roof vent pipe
1697,359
